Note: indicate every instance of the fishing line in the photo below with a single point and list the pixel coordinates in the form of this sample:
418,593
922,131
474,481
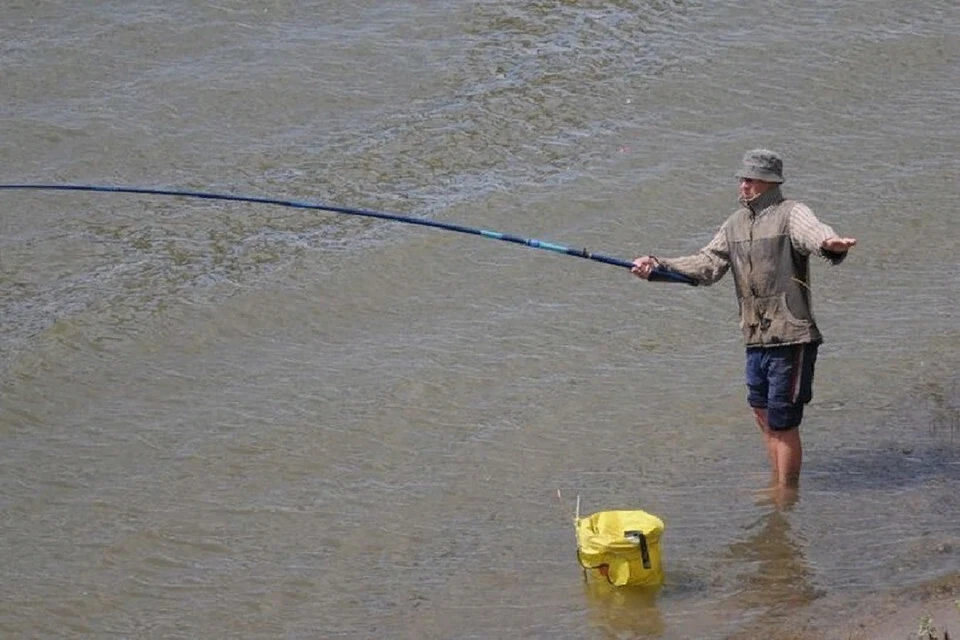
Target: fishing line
659,274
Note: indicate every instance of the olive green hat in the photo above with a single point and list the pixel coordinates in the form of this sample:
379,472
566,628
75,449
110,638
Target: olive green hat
761,164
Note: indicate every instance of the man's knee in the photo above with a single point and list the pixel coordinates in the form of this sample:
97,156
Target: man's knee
760,415
789,437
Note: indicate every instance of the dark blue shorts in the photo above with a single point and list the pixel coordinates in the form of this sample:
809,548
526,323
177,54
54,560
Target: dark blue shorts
780,380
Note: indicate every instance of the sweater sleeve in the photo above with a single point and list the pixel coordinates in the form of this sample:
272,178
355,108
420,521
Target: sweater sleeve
807,234
707,265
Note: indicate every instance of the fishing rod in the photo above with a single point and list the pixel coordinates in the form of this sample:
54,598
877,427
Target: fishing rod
659,274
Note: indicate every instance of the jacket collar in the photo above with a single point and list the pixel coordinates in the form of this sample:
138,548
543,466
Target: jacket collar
769,198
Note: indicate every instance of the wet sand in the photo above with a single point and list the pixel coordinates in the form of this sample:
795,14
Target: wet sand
894,616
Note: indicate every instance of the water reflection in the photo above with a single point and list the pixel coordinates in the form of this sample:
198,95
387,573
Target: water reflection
776,579
623,612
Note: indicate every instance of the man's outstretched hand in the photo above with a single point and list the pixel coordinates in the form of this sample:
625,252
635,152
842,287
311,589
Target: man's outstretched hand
838,245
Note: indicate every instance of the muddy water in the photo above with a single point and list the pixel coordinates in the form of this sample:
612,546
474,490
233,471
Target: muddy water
238,420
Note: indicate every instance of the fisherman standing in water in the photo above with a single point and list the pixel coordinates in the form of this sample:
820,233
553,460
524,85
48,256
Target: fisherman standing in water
767,243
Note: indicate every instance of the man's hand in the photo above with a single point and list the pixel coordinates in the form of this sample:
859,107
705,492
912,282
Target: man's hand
837,245
643,267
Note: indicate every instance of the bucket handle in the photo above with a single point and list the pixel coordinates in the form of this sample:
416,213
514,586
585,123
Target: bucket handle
639,538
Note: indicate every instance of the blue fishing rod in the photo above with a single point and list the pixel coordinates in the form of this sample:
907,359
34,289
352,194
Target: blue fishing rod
659,274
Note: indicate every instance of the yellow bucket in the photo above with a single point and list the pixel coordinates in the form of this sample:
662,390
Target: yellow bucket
622,547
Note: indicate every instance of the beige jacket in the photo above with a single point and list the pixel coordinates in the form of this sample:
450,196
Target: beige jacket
767,244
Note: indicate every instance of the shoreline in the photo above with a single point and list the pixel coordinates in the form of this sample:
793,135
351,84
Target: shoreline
901,615
898,615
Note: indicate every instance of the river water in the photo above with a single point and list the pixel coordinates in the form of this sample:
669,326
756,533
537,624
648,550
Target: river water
232,420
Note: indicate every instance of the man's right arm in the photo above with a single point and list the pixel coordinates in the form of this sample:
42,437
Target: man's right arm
706,266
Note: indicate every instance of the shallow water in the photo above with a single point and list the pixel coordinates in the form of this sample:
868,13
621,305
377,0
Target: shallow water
225,419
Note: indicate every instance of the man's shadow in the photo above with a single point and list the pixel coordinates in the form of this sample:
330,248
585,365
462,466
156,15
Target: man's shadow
888,466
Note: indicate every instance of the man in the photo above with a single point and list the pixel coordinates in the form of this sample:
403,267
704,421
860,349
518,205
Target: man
767,244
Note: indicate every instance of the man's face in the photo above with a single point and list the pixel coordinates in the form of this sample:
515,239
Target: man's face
750,188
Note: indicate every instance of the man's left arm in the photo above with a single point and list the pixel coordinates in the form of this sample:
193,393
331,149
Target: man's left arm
809,235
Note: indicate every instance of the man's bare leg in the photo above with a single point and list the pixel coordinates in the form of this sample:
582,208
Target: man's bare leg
789,453
760,415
